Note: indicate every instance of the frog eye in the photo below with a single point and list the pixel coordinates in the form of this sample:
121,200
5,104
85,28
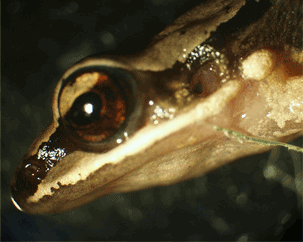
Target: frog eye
96,103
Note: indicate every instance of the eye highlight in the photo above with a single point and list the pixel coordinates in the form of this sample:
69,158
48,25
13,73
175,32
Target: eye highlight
95,103
85,110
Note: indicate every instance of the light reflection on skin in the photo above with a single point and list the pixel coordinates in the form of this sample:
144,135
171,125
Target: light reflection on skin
133,208
188,120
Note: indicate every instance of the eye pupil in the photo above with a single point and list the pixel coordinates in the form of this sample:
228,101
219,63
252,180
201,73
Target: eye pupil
96,104
86,109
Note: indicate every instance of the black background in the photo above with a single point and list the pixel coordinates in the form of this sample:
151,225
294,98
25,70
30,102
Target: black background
40,40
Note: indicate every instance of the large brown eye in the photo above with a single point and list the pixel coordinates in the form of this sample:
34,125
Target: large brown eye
95,103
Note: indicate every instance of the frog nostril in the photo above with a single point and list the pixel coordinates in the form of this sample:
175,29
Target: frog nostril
28,177
34,171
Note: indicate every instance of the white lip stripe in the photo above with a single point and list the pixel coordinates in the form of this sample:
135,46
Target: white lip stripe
141,141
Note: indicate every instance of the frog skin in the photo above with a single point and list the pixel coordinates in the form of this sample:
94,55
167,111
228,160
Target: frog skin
126,123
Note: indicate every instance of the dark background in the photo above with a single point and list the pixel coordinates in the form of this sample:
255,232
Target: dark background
40,40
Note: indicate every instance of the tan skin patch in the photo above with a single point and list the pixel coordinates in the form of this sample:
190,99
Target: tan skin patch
158,146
